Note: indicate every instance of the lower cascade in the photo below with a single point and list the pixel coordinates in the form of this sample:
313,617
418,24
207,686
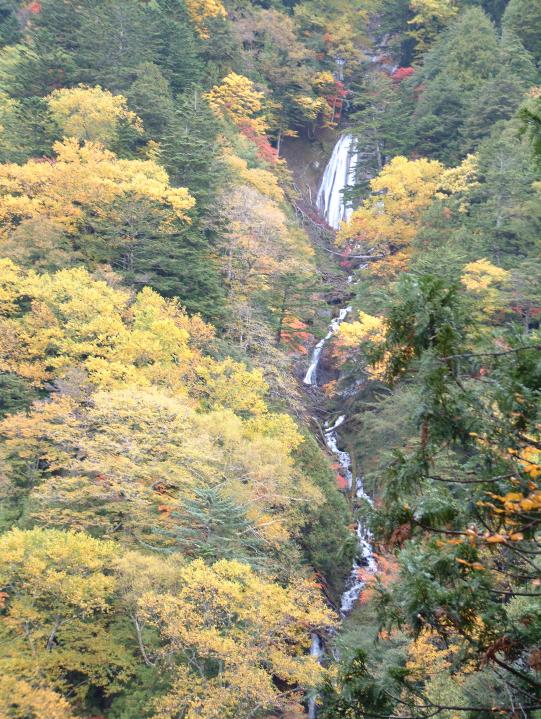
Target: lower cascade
365,557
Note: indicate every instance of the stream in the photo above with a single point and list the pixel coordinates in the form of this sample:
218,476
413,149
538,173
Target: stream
339,174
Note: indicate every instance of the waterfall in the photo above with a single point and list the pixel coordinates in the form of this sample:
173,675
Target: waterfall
317,650
339,174
310,377
365,556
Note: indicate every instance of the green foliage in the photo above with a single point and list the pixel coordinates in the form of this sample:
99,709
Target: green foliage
124,416
329,546
523,17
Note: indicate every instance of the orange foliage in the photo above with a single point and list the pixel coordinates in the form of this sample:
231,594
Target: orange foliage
387,574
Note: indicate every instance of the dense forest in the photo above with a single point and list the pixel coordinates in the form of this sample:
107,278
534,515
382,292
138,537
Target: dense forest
270,359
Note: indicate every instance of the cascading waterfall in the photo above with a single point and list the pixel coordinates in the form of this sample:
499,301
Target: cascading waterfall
339,174
310,378
365,557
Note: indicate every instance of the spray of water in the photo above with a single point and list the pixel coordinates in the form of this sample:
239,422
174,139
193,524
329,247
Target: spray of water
339,175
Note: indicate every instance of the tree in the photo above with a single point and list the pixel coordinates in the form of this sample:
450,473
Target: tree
77,607
90,205
430,17
530,115
55,622
151,97
131,373
201,11
504,210
237,99
458,506
523,17
91,114
375,117
83,176
22,700
212,526
235,632
464,56
385,225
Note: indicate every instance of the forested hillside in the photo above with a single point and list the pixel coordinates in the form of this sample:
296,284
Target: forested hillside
236,362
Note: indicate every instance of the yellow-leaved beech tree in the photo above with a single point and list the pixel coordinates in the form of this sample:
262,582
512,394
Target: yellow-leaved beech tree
140,420
366,331
24,700
237,99
386,223
224,641
54,211
81,178
202,11
91,113
484,281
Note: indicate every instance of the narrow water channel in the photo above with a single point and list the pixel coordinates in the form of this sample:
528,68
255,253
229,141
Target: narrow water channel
338,175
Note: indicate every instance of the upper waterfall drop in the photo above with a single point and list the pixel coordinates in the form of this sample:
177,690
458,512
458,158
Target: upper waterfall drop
339,175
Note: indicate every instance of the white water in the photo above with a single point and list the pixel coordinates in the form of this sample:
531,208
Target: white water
365,557
310,377
317,650
339,174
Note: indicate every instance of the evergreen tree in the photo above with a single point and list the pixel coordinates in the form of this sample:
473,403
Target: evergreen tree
9,25
150,97
139,242
213,526
191,151
465,56
438,120
115,37
179,55
504,207
523,17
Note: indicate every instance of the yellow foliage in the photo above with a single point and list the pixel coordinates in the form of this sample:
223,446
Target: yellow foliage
309,107
65,571
225,632
430,661
201,11
429,17
323,80
91,113
161,413
253,629
263,180
237,99
21,700
367,329
480,275
230,385
262,246
483,280
74,320
82,178
387,222
461,178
